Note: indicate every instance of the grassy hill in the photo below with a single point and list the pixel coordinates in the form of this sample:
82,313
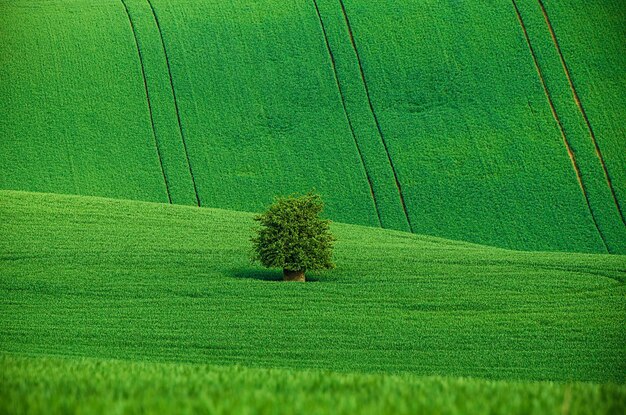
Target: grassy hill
479,119
471,155
497,123
596,74
121,304
83,276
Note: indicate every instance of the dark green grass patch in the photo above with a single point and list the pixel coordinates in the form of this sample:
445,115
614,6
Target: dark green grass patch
53,385
96,277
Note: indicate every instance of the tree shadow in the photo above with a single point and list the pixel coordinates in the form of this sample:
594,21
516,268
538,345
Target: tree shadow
263,275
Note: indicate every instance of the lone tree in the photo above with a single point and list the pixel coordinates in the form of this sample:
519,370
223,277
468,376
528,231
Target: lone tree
293,237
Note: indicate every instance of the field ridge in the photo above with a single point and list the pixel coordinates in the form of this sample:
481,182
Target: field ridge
591,38
345,110
359,116
161,100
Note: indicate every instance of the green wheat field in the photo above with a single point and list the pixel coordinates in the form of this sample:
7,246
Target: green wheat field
471,155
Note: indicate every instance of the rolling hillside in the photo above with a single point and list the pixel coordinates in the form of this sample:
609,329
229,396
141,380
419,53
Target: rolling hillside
493,122
471,154
103,278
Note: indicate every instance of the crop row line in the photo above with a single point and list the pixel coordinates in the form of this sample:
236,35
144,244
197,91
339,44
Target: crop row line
371,106
581,108
145,85
571,154
345,111
180,127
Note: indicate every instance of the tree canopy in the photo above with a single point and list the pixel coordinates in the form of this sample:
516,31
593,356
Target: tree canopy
292,235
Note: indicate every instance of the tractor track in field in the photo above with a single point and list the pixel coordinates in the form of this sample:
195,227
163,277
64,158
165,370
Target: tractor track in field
145,85
345,110
371,106
176,107
581,109
571,154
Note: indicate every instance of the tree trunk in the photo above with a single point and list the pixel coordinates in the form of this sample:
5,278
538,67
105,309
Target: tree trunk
297,276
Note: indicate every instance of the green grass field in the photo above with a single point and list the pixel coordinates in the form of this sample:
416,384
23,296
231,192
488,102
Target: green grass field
134,387
576,133
148,282
470,129
74,112
86,277
472,156
127,280
597,74
379,106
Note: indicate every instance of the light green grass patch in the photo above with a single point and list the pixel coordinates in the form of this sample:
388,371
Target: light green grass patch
57,385
85,276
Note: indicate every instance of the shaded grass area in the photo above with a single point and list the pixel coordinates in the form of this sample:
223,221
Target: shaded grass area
85,276
65,385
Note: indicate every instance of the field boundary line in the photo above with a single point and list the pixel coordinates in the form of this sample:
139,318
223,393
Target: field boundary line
345,111
581,109
571,154
145,86
371,106
180,125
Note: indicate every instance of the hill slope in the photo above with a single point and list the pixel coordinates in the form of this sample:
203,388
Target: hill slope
503,128
83,276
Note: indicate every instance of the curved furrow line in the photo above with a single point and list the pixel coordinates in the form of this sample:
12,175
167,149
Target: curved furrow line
559,123
145,85
180,125
371,106
582,109
345,111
